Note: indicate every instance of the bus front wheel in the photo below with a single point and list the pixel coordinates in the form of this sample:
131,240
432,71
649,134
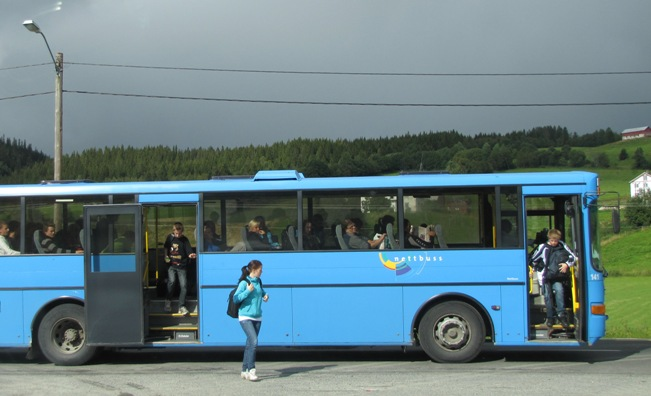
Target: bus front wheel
62,336
452,332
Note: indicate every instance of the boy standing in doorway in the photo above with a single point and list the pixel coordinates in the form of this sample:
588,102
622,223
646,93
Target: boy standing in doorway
178,253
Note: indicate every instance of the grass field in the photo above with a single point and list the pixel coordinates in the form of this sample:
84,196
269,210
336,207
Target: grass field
627,258
628,306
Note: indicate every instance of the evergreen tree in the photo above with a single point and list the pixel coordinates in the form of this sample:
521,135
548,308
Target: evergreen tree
601,161
639,160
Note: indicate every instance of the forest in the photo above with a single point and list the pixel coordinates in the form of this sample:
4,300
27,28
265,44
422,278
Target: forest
446,151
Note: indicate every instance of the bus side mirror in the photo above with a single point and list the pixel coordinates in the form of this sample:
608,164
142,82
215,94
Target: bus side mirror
616,222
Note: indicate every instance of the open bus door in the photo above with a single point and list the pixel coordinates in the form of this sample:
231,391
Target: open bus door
113,268
562,212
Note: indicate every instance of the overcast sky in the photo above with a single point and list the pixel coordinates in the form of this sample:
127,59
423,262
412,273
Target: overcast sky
375,52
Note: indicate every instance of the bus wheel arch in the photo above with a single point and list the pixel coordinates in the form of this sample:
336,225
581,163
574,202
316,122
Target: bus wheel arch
452,328
60,332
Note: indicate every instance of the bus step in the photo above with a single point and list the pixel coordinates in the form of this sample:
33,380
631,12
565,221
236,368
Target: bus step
557,331
173,333
157,306
174,315
180,327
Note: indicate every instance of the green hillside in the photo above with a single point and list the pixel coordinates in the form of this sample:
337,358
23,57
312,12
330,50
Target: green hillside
620,172
626,258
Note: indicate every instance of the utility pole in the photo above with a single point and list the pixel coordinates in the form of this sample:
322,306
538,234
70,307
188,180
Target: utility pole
58,116
58,99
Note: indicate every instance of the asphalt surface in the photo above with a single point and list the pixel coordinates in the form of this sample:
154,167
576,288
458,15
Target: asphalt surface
611,367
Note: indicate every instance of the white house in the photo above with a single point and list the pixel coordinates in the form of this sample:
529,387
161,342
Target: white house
641,184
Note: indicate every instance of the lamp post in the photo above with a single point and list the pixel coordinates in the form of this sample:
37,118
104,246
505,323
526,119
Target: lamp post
58,100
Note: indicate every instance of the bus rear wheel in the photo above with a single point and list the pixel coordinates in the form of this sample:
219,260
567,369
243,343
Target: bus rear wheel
452,332
62,336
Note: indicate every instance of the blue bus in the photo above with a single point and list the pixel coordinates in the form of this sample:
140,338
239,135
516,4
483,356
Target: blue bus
451,274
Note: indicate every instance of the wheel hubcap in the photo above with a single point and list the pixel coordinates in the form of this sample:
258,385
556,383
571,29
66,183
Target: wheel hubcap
68,335
452,333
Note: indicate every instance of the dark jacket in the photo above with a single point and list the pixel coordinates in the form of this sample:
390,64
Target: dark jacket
178,250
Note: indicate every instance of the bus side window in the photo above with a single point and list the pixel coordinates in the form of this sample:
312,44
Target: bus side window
9,213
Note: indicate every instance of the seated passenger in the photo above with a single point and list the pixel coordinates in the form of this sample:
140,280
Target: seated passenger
273,243
211,241
381,229
413,241
14,234
5,249
257,237
354,240
310,241
318,229
49,246
508,238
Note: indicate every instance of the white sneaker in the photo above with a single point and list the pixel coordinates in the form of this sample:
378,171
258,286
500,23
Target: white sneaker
244,375
183,310
252,376
168,306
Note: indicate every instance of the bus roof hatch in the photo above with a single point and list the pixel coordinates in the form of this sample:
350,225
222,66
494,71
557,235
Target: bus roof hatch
278,175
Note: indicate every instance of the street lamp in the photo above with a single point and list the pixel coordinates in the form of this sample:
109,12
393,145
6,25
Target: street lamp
58,99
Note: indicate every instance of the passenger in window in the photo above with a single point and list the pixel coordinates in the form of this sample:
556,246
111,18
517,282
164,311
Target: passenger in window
381,228
508,237
14,234
5,248
71,237
318,229
257,237
310,241
211,241
553,260
356,241
413,241
178,253
273,242
49,246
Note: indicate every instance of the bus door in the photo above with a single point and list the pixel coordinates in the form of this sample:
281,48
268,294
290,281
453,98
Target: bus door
562,212
113,268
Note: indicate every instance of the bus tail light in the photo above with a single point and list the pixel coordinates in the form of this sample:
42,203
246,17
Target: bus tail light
598,309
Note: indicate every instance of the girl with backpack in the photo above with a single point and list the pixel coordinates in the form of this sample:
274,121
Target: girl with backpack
250,295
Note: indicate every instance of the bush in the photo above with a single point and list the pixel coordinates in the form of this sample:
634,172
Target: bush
638,210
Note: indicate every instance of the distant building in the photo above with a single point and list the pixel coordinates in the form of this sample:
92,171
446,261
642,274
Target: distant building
641,184
635,133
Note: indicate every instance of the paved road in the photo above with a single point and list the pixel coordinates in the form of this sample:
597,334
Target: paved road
613,367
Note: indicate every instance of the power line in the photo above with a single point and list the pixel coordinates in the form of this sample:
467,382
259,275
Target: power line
27,95
264,71
360,73
361,103
23,66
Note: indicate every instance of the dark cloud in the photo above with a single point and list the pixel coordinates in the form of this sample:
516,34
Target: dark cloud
330,36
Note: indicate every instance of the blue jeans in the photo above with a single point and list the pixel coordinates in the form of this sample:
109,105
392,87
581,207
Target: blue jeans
554,291
251,329
172,273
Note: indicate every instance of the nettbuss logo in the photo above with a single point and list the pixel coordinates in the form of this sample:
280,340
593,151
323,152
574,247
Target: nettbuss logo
402,264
